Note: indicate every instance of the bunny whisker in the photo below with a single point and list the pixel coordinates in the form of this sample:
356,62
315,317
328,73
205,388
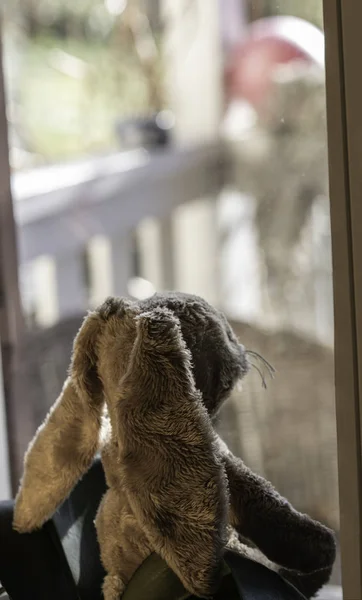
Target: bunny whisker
263,381
267,364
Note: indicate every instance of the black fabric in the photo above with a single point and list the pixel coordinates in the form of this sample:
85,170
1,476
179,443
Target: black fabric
256,582
243,580
61,561
74,522
33,566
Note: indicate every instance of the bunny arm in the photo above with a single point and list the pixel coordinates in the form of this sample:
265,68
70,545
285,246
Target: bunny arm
61,452
288,538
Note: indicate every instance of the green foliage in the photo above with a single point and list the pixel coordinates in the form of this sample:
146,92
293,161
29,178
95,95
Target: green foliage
65,116
63,17
77,72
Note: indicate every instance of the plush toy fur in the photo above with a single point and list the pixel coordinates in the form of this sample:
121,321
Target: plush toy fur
146,380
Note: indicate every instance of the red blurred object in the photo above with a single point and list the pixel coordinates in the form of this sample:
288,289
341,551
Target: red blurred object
268,43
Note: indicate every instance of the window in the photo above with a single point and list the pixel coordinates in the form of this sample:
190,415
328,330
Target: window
124,187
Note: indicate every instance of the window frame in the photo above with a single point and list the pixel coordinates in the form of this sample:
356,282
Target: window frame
343,39
11,322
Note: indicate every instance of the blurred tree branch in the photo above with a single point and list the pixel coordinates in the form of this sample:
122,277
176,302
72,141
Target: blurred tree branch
311,10
135,25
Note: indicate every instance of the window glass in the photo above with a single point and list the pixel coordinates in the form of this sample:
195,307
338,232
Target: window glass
182,144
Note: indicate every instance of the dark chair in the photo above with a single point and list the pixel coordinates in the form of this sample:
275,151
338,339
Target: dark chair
61,561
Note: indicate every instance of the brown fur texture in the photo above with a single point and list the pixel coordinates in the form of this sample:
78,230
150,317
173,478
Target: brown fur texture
145,382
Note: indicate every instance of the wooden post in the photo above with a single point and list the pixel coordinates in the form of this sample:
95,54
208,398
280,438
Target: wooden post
192,46
10,305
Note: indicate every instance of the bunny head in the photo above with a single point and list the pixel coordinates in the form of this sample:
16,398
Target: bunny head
218,360
102,352
162,367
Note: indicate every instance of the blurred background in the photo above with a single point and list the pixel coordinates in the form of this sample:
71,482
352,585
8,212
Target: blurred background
179,144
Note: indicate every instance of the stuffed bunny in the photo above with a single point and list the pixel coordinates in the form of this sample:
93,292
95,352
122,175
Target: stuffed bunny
145,383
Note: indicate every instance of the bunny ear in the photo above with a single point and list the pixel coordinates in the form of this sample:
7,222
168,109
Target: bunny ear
65,444
172,476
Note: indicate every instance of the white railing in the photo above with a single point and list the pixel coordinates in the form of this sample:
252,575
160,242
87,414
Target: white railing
60,210
92,210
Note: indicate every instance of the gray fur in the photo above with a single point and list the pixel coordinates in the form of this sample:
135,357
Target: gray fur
146,380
